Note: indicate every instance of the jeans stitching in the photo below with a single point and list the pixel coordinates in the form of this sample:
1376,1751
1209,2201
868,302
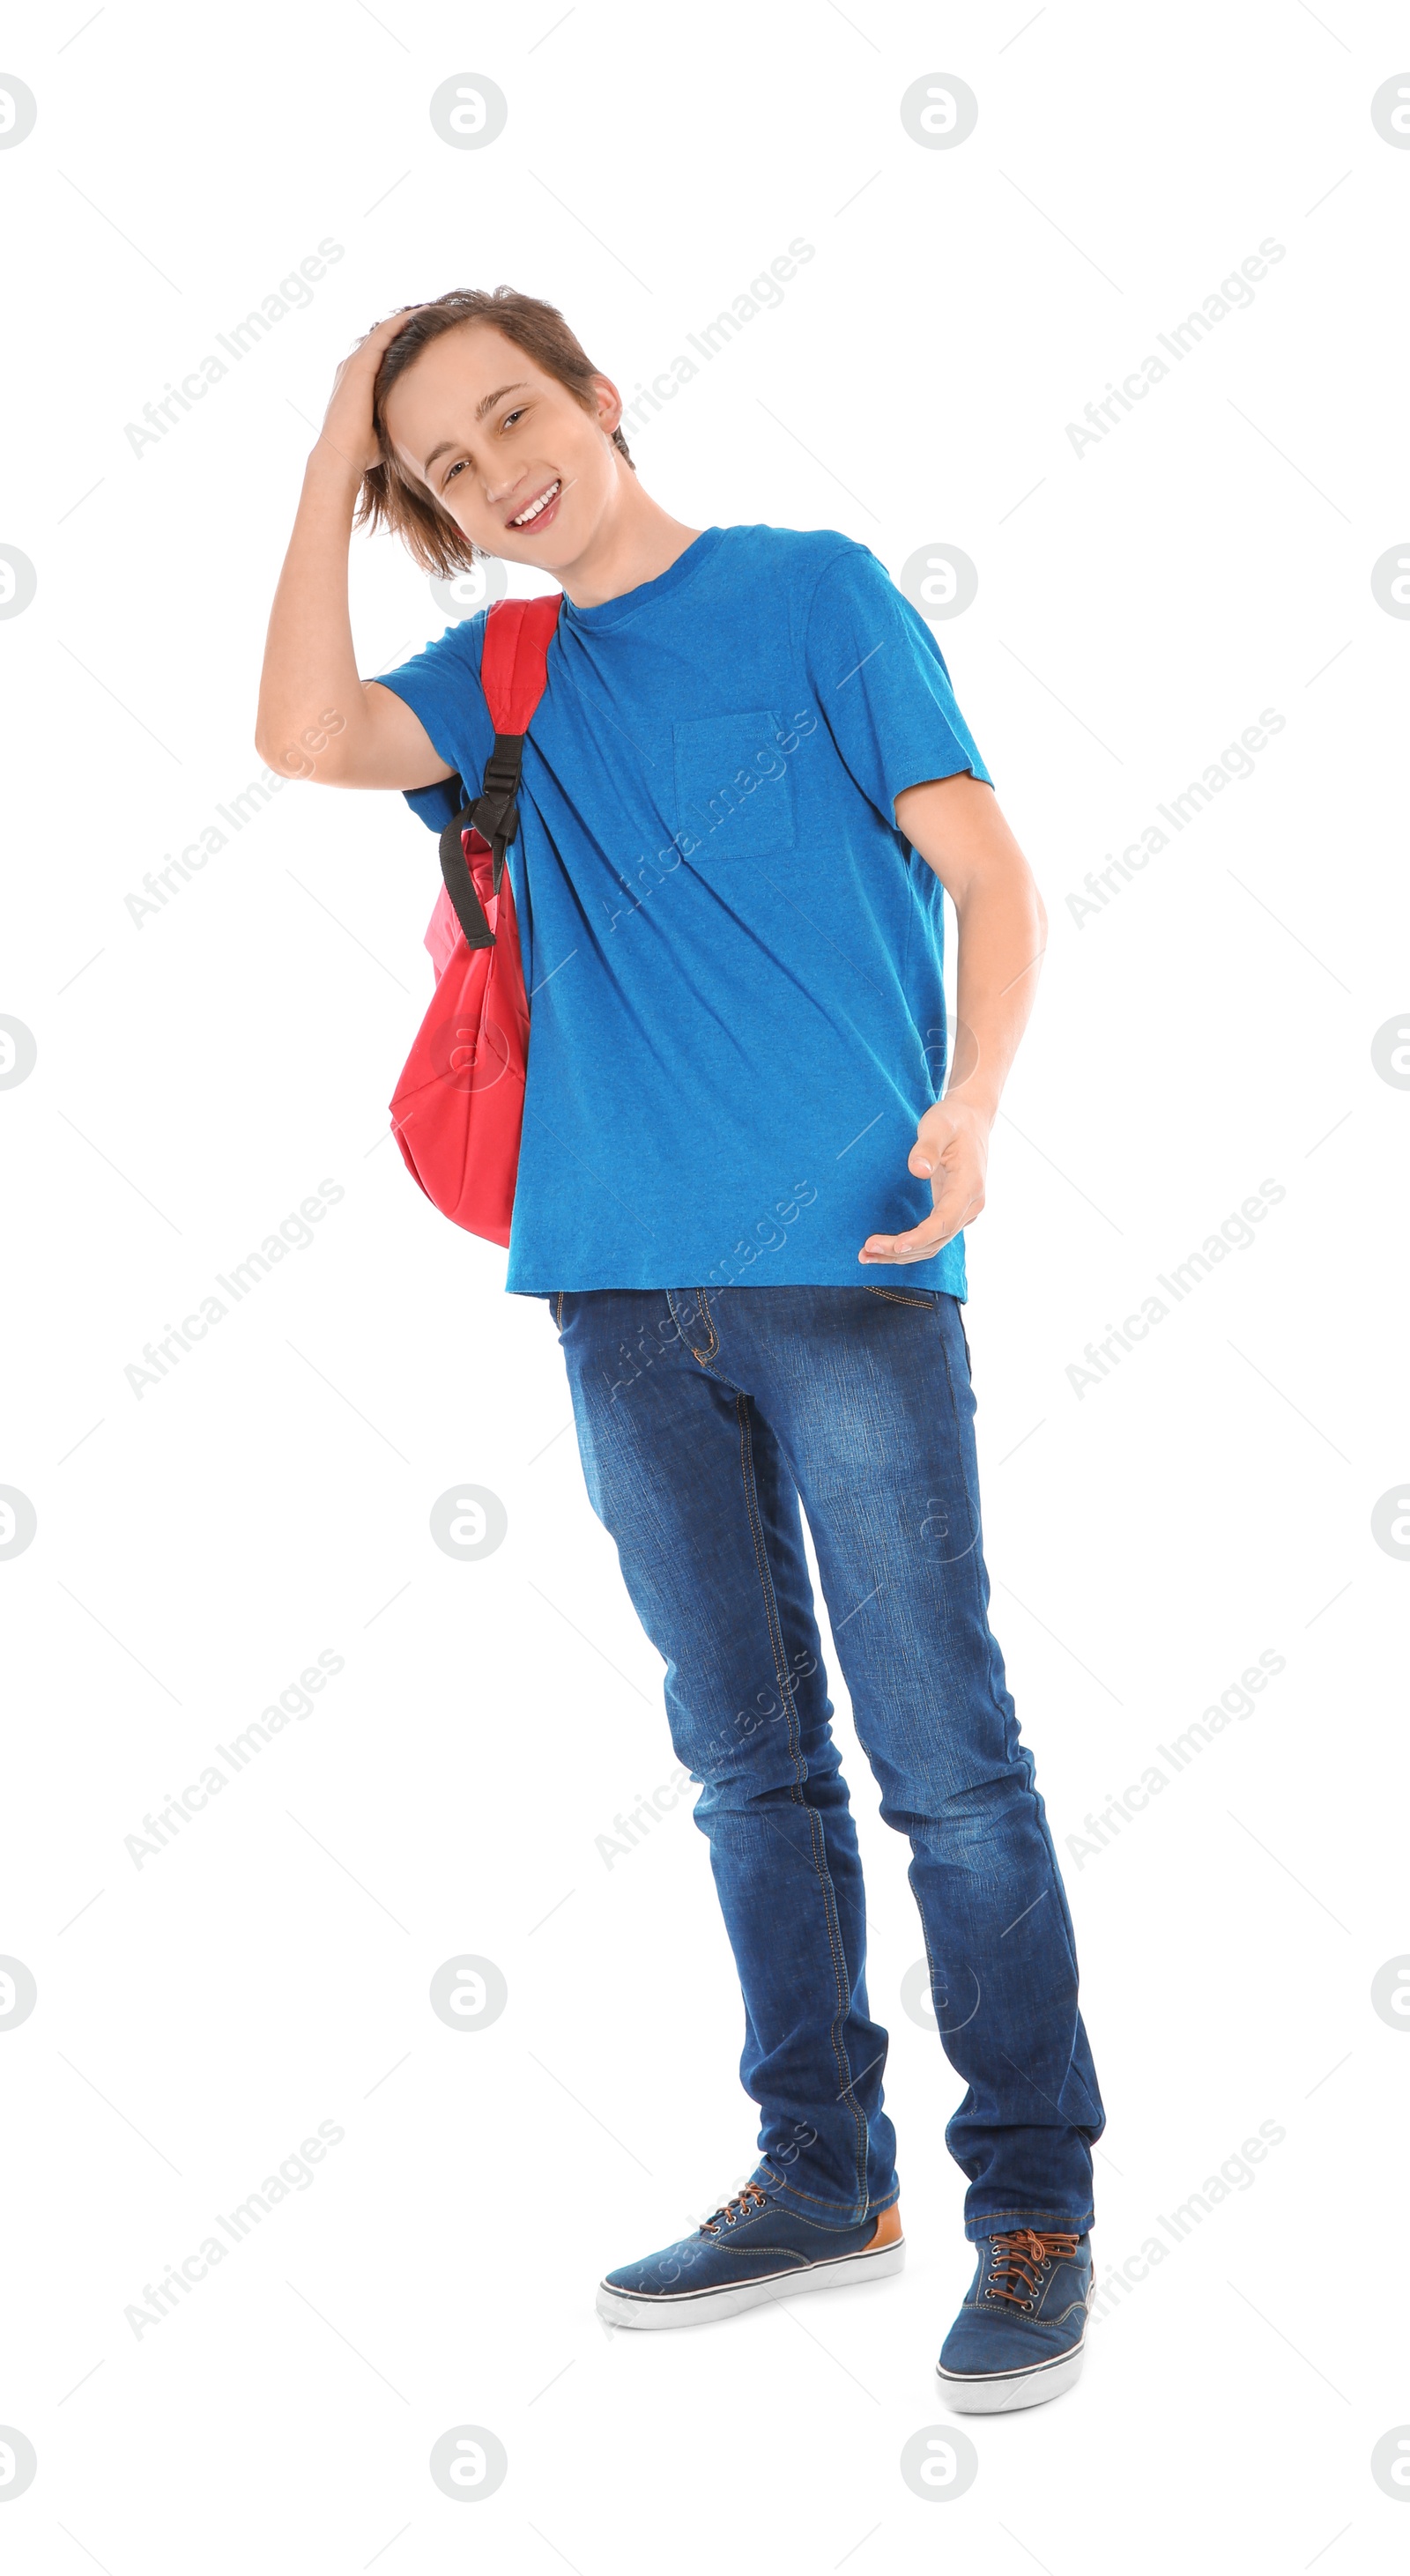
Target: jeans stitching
815,2200
839,1962
1025,1759
702,1358
897,1296
1051,2220
703,1303
874,2208
972,1498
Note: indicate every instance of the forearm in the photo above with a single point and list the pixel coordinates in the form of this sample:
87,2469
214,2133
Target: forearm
310,694
958,829
1003,930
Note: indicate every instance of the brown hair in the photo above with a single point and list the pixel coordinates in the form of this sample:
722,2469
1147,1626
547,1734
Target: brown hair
387,499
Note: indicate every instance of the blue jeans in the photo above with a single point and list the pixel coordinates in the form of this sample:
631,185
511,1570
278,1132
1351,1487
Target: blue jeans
702,1419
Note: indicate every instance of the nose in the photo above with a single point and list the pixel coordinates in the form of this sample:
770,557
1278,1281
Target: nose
496,493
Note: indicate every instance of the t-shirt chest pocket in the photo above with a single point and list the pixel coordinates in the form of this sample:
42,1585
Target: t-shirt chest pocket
734,786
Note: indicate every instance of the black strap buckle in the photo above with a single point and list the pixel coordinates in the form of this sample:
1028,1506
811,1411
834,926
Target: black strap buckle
495,816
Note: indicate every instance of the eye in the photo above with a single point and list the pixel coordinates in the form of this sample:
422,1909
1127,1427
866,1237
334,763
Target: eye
455,469
512,416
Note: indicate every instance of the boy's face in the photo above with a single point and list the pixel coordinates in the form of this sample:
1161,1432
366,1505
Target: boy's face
490,436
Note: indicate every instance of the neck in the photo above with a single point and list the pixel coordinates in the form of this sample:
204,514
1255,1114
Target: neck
635,542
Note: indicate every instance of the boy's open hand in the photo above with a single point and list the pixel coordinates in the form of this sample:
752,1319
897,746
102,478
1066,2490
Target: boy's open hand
347,423
952,1151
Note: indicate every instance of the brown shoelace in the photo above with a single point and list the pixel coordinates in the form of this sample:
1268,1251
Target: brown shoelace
743,2205
1018,2258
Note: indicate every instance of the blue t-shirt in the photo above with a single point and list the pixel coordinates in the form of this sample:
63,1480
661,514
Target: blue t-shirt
733,956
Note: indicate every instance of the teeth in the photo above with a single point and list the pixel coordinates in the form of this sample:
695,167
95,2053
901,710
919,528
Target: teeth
527,517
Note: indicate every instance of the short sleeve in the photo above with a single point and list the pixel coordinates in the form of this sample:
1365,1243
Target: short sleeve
881,683
442,688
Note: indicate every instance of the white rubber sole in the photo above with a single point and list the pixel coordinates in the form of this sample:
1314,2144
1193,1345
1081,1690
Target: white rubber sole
701,2307
1000,2392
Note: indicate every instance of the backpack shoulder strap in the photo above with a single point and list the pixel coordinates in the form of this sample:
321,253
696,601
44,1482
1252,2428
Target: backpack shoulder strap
514,659
513,676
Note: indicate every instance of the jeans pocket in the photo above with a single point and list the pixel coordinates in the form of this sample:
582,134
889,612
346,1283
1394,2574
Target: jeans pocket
903,1296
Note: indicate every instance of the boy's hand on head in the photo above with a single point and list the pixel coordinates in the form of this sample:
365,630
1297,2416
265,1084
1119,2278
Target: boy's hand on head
347,423
951,1151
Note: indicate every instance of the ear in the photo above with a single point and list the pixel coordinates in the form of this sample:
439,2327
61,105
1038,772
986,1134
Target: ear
609,404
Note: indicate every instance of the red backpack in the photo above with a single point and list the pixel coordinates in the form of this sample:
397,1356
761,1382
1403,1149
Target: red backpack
458,1110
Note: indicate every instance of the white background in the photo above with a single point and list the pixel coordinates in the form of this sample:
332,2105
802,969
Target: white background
1138,606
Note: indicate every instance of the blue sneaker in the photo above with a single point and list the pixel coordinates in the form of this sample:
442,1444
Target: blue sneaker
756,2248
1018,2338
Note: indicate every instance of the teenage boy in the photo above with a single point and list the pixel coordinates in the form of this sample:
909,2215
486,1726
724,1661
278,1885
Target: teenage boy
743,792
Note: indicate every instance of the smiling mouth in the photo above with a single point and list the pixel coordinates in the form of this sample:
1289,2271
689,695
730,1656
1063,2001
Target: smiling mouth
537,506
